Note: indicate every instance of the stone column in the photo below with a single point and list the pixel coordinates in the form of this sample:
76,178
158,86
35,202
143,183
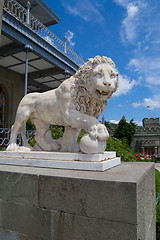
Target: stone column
1,11
155,151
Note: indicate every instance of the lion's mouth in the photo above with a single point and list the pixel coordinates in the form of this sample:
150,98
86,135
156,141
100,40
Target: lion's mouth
102,92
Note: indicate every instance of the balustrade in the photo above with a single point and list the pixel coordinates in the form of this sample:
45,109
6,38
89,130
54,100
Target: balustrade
20,13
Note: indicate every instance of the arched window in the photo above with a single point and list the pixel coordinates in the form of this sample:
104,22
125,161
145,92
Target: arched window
3,108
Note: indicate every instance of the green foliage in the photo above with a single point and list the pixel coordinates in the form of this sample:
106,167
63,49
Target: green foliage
30,125
32,140
158,221
56,131
2,148
157,179
121,148
82,132
125,131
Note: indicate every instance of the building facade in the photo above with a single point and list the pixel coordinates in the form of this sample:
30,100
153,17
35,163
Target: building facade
147,137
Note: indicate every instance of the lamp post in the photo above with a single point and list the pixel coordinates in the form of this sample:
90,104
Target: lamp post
27,48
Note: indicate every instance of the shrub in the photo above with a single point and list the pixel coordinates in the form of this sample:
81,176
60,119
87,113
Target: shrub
122,149
157,179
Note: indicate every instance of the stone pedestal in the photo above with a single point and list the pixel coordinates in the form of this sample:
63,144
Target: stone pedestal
57,204
62,160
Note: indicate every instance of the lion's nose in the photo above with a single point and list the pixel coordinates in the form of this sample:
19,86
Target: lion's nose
106,84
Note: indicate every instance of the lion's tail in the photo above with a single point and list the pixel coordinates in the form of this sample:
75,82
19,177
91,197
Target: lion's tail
24,138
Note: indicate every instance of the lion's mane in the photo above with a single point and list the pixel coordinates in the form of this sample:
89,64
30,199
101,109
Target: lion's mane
84,101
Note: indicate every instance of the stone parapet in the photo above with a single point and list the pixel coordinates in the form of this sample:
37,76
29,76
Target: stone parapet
57,204
147,130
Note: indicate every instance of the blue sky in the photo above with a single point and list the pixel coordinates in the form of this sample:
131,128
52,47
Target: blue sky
128,31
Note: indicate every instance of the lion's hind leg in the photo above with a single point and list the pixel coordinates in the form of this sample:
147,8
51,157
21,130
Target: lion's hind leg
44,141
69,140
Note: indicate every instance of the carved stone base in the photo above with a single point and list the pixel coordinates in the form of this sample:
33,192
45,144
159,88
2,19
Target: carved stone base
75,161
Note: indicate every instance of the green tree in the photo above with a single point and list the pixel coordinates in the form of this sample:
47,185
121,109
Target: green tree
125,131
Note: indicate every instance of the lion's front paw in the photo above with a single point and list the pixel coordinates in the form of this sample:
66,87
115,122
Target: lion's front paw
15,148
99,131
93,133
103,134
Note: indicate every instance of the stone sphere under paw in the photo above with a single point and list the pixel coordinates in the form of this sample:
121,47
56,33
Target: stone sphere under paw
90,145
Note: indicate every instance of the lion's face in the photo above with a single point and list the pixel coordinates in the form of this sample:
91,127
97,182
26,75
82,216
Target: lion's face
103,82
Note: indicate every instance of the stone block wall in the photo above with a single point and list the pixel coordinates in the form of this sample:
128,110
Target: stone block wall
52,204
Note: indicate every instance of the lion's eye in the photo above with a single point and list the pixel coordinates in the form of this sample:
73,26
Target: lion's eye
112,75
97,74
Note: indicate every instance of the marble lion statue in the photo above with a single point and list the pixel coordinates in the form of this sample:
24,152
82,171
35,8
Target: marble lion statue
76,104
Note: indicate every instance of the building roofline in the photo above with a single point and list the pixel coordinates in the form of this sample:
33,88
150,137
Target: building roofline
41,11
48,10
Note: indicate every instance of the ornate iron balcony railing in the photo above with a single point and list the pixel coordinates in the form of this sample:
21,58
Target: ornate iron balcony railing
21,14
5,136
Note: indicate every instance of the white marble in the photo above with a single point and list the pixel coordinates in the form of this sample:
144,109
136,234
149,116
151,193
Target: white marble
63,156
76,104
87,162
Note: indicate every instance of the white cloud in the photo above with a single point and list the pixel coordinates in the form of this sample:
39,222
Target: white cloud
130,23
148,66
123,3
114,121
133,20
135,104
138,123
125,85
152,104
132,10
135,65
86,9
70,36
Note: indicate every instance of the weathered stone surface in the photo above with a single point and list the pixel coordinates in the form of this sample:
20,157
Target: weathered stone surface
74,227
6,234
20,188
101,199
146,207
31,221
76,205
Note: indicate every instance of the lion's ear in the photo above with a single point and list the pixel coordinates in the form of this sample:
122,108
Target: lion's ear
91,60
104,59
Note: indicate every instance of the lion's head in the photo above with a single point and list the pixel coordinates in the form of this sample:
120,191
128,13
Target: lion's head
95,82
